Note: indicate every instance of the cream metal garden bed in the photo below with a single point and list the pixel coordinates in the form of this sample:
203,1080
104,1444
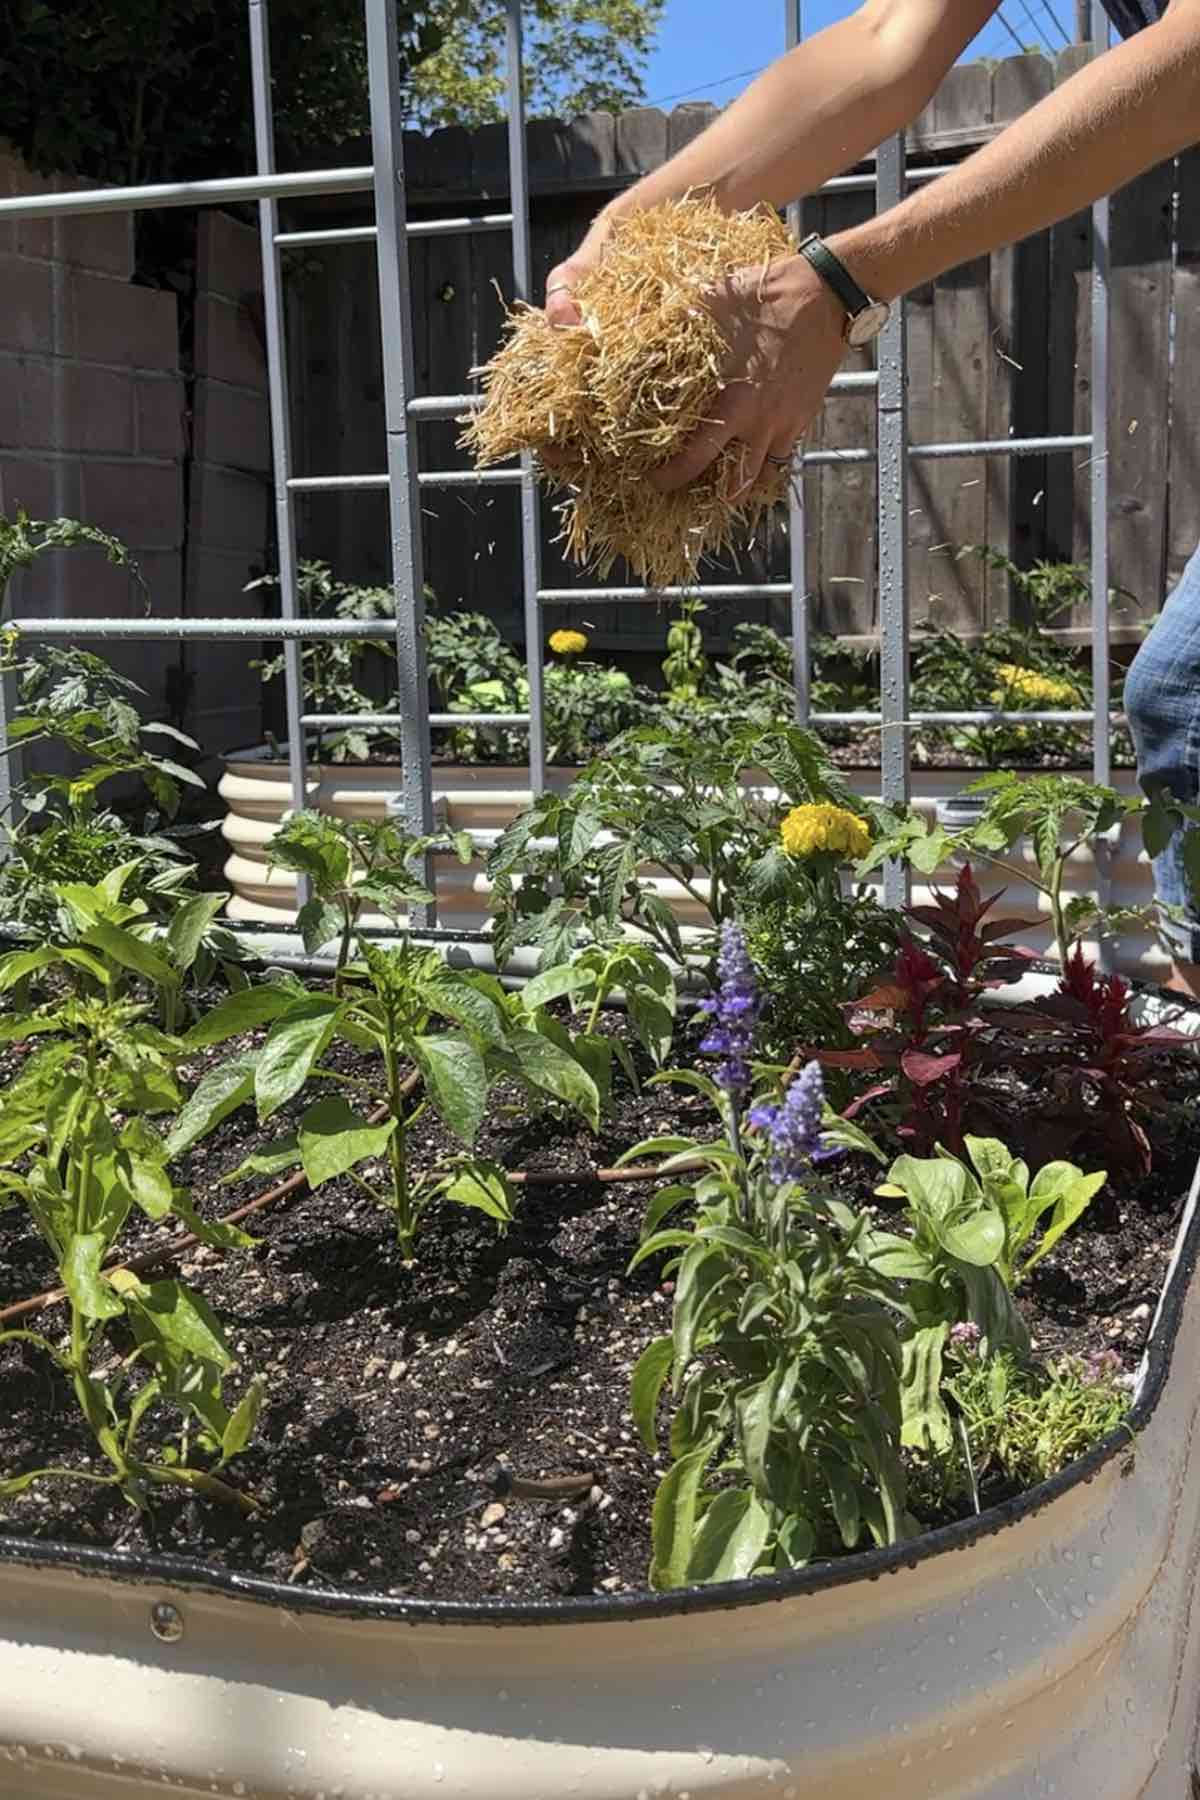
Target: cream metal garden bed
256,792
1050,1647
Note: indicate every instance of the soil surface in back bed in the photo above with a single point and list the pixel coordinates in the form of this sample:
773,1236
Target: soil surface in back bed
398,1396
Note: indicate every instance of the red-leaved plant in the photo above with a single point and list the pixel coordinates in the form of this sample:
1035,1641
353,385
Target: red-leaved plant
922,1023
943,1057
1097,1063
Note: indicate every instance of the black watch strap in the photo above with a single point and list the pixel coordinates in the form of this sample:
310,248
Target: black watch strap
834,273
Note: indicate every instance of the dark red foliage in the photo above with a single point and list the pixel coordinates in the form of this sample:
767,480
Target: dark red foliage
921,1019
943,1056
1099,1062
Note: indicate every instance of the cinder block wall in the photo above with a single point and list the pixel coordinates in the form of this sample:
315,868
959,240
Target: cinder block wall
91,417
103,419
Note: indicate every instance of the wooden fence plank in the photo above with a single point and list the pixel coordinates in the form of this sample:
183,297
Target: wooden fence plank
952,495
843,577
1138,384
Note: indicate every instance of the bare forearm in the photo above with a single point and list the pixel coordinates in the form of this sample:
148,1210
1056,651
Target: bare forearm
820,109
1125,112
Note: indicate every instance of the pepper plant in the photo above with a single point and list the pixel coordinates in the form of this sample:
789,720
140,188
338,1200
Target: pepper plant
394,1005
133,951
78,1148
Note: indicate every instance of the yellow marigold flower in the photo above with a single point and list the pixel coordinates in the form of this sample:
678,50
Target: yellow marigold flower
1027,684
568,643
808,829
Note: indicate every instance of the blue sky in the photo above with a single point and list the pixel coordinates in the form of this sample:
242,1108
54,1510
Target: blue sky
705,47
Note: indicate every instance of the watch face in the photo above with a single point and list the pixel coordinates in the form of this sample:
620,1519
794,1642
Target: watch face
868,323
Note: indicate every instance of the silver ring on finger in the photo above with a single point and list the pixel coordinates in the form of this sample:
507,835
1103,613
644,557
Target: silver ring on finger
781,462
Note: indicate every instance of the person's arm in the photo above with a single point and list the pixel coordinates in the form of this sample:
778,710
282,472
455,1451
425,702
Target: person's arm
1114,119
1126,111
818,110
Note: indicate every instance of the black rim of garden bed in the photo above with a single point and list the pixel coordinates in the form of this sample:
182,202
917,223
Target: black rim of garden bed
187,1573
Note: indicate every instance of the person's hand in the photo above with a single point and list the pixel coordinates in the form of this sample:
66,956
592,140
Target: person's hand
785,332
562,281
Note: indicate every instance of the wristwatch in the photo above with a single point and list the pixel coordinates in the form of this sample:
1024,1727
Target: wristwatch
865,318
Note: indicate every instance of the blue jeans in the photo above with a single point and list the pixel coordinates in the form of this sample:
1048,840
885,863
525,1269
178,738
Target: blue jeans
1162,703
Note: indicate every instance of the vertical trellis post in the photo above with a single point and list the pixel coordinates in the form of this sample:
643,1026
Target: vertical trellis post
404,500
280,405
892,454
798,601
531,538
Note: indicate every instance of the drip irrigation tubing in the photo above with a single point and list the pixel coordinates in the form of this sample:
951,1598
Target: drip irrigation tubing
158,1254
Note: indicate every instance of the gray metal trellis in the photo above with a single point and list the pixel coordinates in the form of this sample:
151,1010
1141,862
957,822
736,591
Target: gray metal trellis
404,480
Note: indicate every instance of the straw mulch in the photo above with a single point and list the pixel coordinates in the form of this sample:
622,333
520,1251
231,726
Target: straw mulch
603,405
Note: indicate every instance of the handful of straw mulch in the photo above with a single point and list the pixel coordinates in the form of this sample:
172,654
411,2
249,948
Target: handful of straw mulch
604,404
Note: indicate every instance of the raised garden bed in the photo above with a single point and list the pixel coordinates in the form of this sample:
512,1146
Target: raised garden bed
395,1390
387,1629
487,797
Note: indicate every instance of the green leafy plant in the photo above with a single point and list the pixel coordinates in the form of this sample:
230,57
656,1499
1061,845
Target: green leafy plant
784,1358
23,540
643,981
812,948
1025,1421
134,950
784,1362
54,850
1059,815
984,1212
473,670
78,1148
389,1006
587,706
354,865
74,699
1017,666
573,867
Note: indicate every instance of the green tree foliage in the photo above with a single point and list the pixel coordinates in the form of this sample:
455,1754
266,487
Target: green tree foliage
128,91
581,56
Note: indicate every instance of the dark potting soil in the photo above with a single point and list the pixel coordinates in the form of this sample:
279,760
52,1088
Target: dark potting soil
403,1403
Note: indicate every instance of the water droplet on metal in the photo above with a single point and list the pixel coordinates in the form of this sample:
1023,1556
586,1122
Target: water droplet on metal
166,1622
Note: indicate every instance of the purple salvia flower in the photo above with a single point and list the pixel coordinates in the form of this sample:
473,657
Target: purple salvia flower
734,1012
794,1127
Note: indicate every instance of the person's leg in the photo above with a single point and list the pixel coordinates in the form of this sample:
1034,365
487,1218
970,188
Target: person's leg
1162,703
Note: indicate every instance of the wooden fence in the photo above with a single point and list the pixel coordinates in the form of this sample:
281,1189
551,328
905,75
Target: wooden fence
999,346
